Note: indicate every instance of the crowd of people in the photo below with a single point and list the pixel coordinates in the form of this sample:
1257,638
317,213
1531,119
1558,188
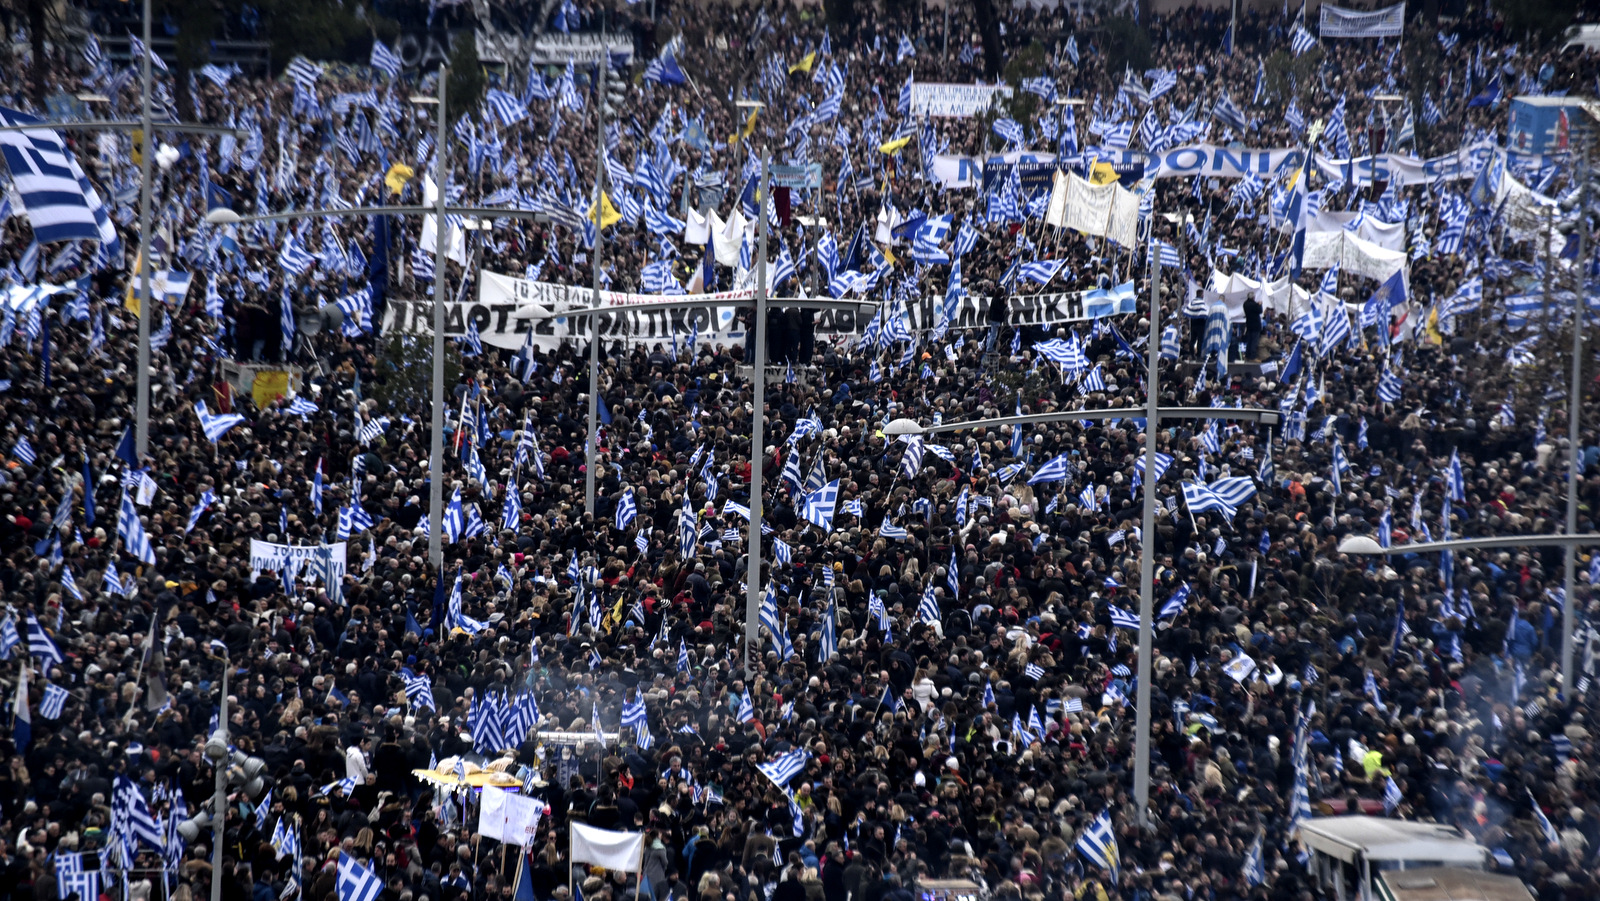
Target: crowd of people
946,679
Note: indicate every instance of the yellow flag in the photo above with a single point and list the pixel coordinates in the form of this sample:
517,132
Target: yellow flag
269,385
608,213
1102,174
131,302
750,123
895,145
397,176
805,64
889,255
1435,337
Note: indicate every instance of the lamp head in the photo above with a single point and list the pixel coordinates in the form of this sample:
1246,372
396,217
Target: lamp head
1360,544
903,427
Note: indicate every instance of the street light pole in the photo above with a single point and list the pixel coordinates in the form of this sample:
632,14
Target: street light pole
441,246
758,427
1147,544
1574,398
142,402
217,750
591,460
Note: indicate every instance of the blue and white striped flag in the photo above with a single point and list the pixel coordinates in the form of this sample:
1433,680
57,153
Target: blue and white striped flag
355,882
131,531
784,768
385,60
215,425
1122,618
1301,41
1057,469
54,700
1097,844
626,511
41,170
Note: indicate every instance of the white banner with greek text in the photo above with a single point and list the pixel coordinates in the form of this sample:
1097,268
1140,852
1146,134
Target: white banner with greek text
956,101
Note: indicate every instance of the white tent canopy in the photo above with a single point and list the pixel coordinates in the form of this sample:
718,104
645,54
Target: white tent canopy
1377,839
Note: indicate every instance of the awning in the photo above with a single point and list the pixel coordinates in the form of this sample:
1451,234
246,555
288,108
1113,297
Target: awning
1379,839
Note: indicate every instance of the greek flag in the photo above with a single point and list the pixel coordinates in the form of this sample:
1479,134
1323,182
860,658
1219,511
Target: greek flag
1234,491
1097,844
1087,497
1068,354
355,882
1122,618
472,341
928,609
1174,605
131,531
455,520
1454,479
303,72
42,175
1301,41
626,511
419,690
215,425
1390,386
55,698
1551,836
371,431
1431,113
130,816
1392,796
827,644
1201,498
1163,462
24,451
634,712
1057,469
819,506
523,365
1041,271
511,513
1255,869
385,60
507,108
781,769
72,877
1229,114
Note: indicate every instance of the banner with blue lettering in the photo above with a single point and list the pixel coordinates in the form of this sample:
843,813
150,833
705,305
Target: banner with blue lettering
1211,161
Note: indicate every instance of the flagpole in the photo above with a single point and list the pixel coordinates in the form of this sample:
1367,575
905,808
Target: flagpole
752,605
142,413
